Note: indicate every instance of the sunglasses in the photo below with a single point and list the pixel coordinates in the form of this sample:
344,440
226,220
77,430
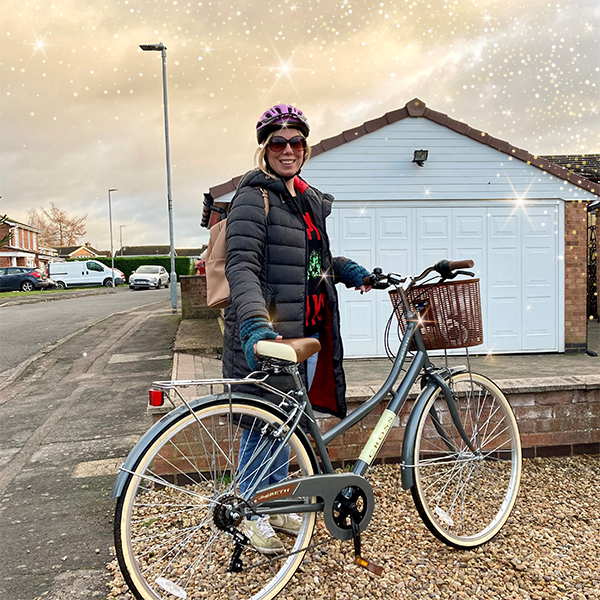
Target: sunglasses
278,143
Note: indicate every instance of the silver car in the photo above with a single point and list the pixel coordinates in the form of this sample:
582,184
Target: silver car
148,276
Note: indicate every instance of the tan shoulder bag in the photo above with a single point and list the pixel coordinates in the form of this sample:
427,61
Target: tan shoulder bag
217,286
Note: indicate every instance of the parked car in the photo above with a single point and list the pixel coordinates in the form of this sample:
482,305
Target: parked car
148,276
83,273
25,279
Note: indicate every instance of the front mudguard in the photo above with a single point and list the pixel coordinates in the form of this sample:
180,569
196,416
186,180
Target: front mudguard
156,430
410,433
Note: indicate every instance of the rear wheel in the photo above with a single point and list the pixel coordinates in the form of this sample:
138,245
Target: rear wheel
465,494
172,517
61,285
27,286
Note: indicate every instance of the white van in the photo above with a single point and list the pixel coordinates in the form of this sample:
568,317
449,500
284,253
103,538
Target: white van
82,273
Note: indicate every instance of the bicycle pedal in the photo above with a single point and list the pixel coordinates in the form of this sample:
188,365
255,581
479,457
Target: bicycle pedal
368,565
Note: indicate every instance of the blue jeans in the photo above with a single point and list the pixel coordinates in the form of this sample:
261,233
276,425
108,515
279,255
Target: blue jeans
250,440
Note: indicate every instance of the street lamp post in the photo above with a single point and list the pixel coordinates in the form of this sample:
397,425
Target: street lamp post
121,237
112,254
163,50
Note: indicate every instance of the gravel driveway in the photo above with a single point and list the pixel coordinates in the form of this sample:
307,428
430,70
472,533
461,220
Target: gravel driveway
550,548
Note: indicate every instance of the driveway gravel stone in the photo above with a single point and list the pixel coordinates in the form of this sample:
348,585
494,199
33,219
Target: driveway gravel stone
549,549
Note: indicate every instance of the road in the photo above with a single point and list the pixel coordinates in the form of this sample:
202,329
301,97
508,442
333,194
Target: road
25,329
68,422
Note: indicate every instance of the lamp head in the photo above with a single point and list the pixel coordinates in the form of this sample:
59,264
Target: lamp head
155,47
420,157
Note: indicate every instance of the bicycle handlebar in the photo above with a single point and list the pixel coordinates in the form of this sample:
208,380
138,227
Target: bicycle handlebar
447,269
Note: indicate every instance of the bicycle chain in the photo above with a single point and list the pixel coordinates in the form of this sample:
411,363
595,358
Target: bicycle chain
280,556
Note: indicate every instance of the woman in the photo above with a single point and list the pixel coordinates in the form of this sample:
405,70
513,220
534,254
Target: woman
281,276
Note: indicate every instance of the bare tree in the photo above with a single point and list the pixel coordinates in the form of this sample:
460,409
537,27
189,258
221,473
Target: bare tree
57,226
5,238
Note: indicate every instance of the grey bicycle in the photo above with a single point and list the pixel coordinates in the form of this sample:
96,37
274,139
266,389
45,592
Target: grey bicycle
180,510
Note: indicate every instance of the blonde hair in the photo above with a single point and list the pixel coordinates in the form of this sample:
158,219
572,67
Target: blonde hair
260,156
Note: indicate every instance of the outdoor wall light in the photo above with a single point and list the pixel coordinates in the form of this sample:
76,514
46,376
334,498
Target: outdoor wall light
420,157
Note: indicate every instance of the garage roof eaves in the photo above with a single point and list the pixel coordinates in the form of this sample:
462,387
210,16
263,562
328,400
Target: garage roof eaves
416,109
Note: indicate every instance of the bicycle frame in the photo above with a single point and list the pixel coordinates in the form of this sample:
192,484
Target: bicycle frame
278,498
433,379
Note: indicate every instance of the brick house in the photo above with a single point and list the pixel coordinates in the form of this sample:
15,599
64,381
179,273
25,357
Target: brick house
520,217
23,249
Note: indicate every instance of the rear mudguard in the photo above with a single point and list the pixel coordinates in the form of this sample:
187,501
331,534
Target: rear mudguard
156,430
410,433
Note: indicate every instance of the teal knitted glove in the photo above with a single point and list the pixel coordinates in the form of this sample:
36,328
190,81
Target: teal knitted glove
353,274
252,331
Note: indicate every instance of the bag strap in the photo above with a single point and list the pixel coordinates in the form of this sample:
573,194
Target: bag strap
265,195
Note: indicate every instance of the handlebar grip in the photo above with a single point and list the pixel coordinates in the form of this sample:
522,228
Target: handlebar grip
460,264
368,280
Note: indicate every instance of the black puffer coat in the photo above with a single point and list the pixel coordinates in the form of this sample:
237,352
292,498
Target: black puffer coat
266,268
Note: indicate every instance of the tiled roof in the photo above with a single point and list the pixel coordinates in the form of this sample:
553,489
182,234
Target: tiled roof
68,250
417,108
586,165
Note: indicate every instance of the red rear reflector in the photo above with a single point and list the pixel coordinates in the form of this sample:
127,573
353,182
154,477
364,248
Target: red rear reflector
155,398
36,274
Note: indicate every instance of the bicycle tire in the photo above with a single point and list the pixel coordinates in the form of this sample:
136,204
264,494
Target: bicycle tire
166,536
465,496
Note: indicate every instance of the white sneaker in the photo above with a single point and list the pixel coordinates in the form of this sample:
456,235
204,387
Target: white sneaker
290,523
262,536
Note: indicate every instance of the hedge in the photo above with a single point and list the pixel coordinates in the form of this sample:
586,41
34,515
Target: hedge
184,265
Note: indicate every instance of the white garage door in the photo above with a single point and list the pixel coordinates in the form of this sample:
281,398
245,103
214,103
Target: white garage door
517,252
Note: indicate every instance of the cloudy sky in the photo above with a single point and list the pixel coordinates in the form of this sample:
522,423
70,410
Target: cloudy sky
81,105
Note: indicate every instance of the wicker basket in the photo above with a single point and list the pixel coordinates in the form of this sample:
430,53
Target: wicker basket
450,313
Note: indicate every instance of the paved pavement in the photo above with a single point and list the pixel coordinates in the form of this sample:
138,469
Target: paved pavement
67,423
197,340
74,414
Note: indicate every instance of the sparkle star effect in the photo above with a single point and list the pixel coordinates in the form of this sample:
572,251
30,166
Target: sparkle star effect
39,45
520,198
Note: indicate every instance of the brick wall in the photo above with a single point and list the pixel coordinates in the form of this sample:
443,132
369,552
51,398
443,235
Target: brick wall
575,276
558,417
193,298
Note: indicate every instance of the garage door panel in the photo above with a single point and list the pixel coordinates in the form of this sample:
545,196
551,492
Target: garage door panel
393,227
394,261
503,224
515,252
359,327
539,332
504,324
434,226
504,271
358,227
540,270
468,225
383,314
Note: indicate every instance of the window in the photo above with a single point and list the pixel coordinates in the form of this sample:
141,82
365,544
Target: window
92,266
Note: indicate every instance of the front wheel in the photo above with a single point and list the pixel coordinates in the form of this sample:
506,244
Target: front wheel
173,523
108,283
465,492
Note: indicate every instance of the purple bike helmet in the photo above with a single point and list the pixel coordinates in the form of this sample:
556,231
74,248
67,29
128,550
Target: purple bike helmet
278,116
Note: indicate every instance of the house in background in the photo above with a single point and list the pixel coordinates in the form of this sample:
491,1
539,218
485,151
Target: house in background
521,218
85,251
23,249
